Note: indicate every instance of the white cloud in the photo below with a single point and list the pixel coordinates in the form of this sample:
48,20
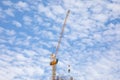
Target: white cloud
7,3
29,53
57,9
97,9
20,57
27,20
114,7
9,12
33,70
17,24
1,29
22,6
15,71
97,37
38,19
1,14
47,34
11,32
46,10
100,17
7,32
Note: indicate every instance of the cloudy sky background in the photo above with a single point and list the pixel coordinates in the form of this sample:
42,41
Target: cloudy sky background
29,31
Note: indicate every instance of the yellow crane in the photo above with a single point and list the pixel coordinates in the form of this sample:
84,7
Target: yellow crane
54,60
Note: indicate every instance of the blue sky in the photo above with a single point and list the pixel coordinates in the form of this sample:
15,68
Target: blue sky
29,31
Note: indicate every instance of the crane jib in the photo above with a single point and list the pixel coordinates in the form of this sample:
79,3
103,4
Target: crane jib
61,34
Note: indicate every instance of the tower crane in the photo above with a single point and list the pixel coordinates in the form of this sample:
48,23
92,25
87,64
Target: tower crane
54,60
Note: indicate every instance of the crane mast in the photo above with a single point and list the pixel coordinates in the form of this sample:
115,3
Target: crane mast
54,60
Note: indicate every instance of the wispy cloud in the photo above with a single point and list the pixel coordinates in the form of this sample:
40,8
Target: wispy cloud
9,12
20,5
7,3
27,20
17,24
